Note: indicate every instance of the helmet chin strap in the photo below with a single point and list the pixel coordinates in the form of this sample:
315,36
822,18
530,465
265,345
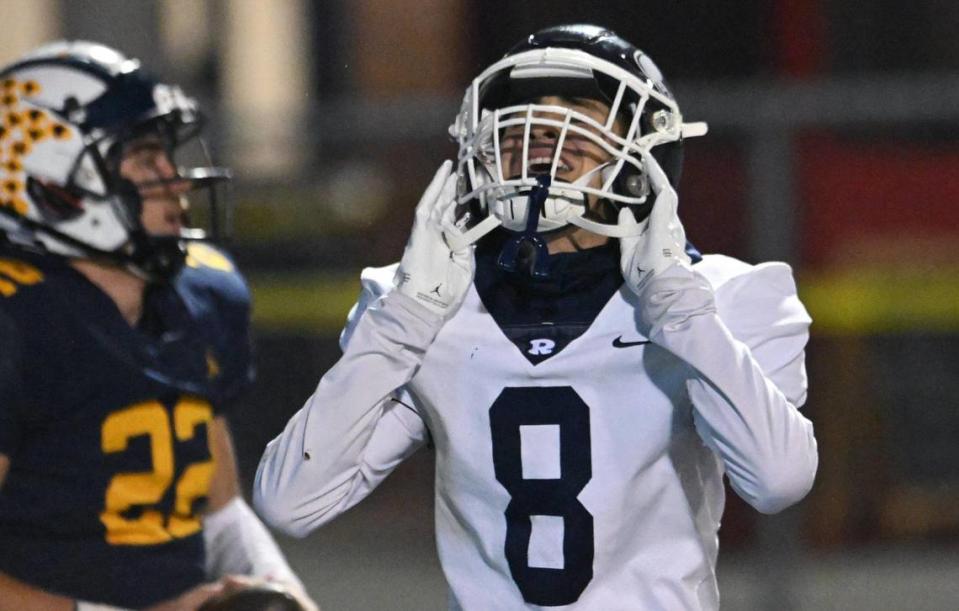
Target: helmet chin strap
529,248
605,229
575,217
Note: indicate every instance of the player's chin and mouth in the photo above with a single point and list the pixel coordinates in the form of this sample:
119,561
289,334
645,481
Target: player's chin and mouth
164,216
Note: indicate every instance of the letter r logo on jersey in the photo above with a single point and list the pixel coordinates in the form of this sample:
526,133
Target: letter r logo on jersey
541,346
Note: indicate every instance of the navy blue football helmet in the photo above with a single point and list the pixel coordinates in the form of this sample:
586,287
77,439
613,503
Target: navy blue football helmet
566,62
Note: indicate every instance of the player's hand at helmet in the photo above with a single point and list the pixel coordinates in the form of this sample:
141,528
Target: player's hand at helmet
655,264
662,244
432,272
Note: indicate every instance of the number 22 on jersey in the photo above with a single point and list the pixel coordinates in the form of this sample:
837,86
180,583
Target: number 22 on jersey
543,482
147,489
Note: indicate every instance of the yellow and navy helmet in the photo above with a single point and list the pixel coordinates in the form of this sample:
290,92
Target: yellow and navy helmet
67,108
568,61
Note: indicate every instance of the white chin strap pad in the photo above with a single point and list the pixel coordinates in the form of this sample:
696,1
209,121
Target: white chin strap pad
559,206
491,222
562,207
611,231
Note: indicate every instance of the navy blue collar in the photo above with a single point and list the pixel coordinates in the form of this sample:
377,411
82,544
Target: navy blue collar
579,285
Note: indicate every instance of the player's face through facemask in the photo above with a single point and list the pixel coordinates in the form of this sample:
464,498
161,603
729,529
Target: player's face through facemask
179,190
580,156
146,163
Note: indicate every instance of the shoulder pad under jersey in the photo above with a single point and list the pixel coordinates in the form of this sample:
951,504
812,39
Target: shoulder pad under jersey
374,283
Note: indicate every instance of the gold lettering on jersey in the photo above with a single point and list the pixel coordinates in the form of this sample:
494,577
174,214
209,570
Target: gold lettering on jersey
14,273
198,255
7,288
127,490
195,481
145,490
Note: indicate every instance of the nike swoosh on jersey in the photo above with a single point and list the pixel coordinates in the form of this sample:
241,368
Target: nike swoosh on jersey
619,343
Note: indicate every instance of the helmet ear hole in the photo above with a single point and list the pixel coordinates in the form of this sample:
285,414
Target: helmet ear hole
635,184
630,181
54,202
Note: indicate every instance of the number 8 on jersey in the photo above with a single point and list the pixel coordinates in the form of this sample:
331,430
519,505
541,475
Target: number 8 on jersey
534,431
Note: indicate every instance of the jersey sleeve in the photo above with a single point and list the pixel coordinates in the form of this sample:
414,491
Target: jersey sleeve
239,368
219,298
743,331
10,386
359,424
762,310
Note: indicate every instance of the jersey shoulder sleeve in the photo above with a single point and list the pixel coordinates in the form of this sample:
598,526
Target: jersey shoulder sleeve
760,305
374,283
212,272
219,300
28,280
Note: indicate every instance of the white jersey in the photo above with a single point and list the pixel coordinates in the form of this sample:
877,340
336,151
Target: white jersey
579,475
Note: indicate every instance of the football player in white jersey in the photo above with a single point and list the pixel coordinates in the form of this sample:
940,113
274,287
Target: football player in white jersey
587,378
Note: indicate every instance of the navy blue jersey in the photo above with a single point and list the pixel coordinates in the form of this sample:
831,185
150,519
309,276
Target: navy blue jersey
106,425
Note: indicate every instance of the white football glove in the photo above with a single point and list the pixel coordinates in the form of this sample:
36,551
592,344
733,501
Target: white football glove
662,244
431,271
